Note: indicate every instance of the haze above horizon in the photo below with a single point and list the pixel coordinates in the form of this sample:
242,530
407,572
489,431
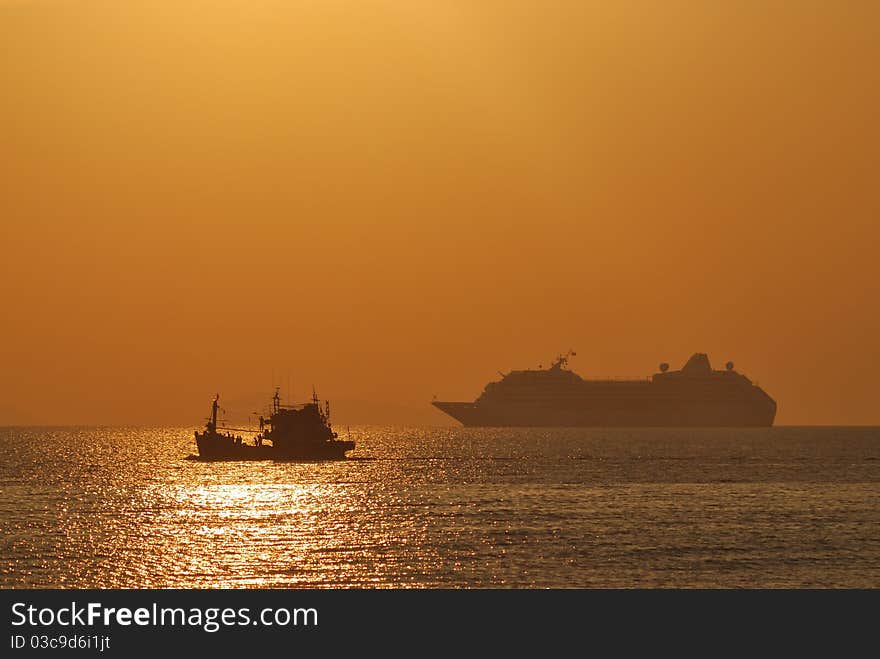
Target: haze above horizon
394,199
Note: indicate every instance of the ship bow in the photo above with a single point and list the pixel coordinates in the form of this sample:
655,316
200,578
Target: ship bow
463,412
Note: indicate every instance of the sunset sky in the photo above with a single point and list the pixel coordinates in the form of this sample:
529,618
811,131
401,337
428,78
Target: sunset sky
391,199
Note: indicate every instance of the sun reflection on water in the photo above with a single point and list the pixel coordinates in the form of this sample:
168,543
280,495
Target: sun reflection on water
125,508
275,534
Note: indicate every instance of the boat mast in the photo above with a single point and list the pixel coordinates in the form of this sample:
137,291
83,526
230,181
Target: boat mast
214,405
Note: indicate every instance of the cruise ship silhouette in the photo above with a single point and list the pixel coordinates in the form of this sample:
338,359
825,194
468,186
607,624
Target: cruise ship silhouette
694,396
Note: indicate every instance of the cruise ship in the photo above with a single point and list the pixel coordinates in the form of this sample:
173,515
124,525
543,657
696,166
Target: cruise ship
697,395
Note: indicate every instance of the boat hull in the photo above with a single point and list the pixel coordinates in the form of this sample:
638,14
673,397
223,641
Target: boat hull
216,447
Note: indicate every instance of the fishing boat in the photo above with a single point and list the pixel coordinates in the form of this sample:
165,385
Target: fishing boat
292,432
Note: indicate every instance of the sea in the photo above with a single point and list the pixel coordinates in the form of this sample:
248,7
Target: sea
781,507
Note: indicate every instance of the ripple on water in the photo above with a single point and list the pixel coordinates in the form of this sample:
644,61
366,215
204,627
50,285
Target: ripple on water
446,507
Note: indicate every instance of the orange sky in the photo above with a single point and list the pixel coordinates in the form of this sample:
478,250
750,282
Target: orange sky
397,198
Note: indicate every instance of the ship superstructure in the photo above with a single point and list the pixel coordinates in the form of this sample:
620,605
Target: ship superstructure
696,395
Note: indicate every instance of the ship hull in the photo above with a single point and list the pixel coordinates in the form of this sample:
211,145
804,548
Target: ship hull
610,413
215,447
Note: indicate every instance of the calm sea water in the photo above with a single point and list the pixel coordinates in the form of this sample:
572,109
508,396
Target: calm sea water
446,507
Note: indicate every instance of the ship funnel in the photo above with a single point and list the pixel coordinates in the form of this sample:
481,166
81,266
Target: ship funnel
698,364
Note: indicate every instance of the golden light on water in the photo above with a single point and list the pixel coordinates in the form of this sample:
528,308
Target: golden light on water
416,507
271,534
